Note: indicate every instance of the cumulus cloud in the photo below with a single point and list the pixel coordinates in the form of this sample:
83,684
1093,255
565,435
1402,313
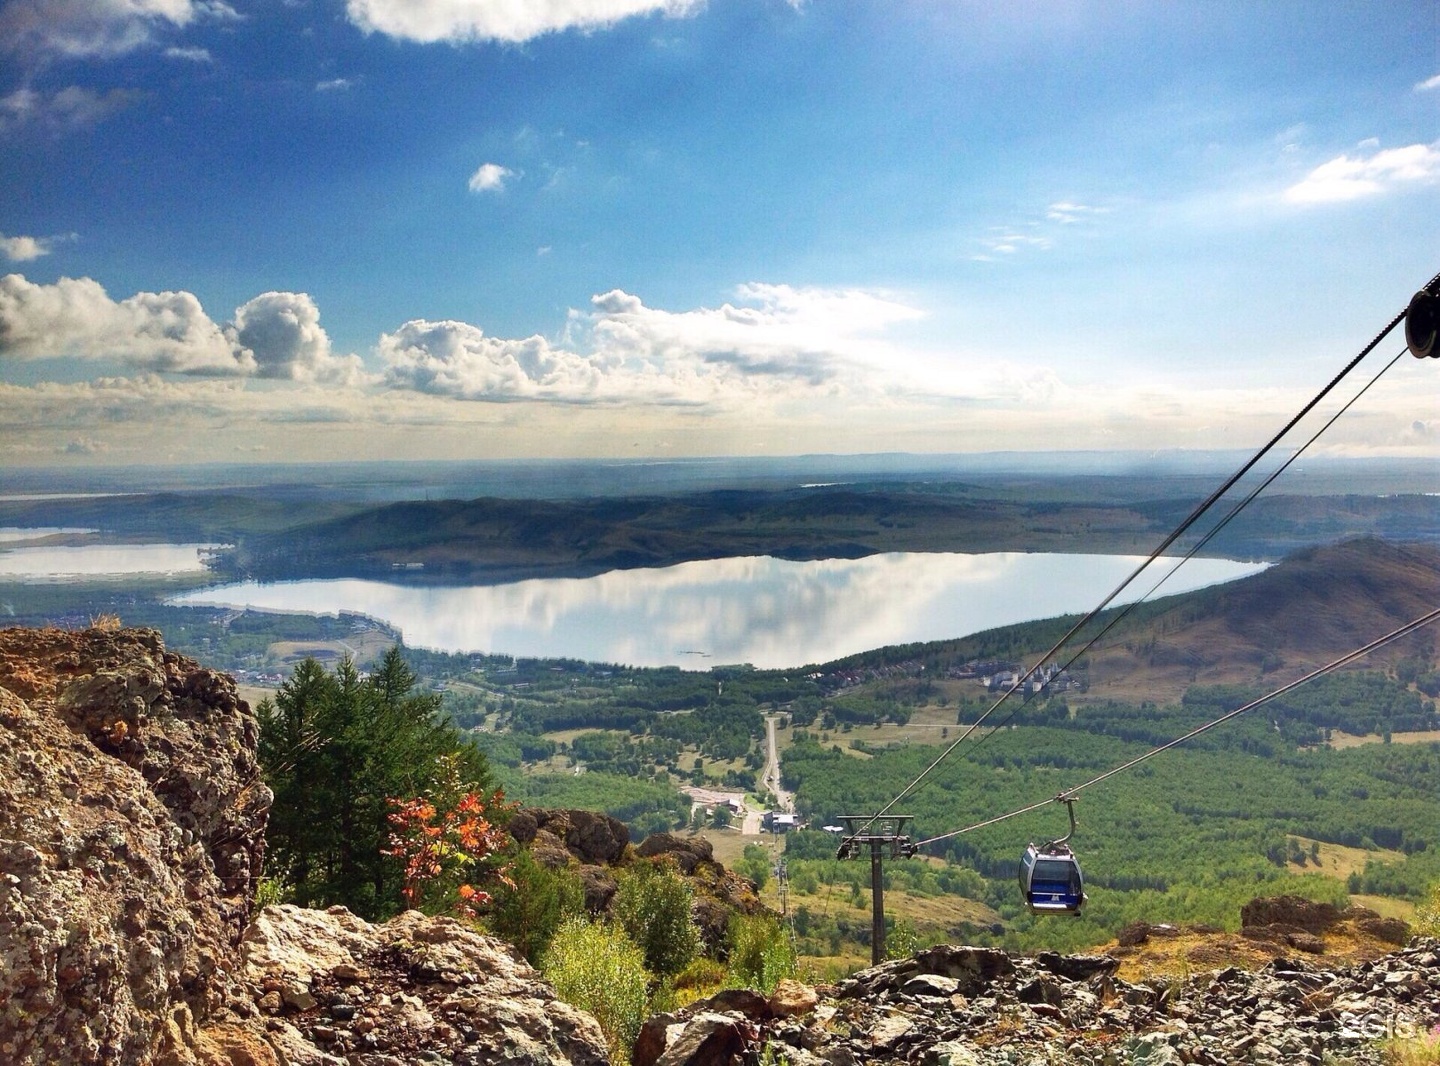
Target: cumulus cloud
72,107
456,359
805,334
334,85
279,333
459,21
1354,177
491,177
103,28
75,317
776,340
1428,84
276,335
23,249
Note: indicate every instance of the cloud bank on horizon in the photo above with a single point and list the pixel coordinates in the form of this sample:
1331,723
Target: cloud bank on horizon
530,226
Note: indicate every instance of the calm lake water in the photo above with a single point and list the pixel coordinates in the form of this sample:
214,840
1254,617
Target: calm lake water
41,564
763,611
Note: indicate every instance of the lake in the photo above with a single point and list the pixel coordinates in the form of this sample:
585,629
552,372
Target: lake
62,563
768,612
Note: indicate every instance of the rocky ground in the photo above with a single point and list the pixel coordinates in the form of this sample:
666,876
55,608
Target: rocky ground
132,823
963,1006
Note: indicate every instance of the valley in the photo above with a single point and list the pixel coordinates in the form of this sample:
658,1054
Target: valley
1348,765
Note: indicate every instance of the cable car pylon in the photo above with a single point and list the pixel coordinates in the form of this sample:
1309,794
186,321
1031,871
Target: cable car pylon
885,835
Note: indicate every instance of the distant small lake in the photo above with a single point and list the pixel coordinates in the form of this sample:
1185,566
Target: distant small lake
764,611
15,534
51,564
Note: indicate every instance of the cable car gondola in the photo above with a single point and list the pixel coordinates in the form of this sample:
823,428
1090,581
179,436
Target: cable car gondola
1050,878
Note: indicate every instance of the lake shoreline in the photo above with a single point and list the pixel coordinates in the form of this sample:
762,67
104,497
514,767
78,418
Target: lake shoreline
772,613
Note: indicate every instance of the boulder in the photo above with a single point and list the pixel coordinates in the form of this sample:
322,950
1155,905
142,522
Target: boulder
594,839
708,1039
686,853
791,998
413,984
132,820
1290,912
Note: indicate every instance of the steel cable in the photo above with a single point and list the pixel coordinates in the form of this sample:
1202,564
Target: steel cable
1349,657
1175,534
1124,612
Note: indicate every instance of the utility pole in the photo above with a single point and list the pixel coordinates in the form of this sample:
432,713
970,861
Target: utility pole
883,835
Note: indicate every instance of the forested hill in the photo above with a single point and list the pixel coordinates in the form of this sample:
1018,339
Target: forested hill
494,539
505,539
1305,611
1312,608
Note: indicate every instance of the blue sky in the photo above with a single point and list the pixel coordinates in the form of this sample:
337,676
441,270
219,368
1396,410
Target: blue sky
311,229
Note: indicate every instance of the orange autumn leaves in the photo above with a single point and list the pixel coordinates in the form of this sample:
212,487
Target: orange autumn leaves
448,849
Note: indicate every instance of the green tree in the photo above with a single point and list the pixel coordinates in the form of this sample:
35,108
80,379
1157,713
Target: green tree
654,905
1427,916
336,749
594,966
529,910
754,864
761,953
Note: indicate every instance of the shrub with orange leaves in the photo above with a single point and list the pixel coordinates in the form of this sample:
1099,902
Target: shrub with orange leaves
448,842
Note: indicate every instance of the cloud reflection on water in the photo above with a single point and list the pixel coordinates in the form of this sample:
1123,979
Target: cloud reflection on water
764,611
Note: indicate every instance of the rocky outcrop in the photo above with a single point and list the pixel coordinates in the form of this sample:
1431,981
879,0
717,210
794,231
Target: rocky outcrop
591,839
337,991
597,844
132,823
965,1006
719,893
559,838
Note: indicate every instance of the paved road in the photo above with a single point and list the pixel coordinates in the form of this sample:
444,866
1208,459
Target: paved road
770,778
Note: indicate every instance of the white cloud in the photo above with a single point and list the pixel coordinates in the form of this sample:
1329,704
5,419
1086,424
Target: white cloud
1428,84
23,249
334,85
281,335
77,28
74,317
276,335
779,331
513,21
1067,213
190,55
1009,242
776,342
69,108
1352,178
491,177
85,446
456,359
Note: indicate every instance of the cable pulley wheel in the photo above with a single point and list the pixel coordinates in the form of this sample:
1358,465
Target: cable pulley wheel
1422,324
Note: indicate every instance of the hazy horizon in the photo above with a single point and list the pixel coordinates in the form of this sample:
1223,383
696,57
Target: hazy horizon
393,480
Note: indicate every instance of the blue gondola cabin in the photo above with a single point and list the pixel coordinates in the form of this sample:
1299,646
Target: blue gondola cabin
1050,880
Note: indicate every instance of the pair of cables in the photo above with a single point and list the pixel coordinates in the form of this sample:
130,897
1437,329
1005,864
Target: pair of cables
1422,319
1335,664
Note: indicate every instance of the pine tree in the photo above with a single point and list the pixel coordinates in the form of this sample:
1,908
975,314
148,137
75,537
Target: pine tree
336,749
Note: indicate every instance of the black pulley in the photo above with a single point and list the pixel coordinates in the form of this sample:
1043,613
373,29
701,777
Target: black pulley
1422,324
